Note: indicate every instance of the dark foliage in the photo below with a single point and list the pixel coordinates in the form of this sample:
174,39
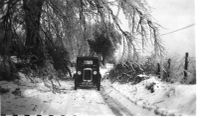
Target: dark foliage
150,87
60,59
104,41
8,70
126,73
3,90
129,72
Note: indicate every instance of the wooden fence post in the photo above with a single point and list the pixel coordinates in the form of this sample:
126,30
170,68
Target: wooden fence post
168,68
186,65
158,70
161,67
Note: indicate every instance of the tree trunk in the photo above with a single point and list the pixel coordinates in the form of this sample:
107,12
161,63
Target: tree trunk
33,9
168,68
186,66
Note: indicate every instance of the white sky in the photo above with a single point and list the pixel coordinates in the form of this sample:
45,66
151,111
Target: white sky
172,15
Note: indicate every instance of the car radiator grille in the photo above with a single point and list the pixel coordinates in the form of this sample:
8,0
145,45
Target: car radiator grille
87,75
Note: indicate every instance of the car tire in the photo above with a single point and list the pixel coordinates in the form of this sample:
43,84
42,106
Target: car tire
98,88
75,86
75,82
98,83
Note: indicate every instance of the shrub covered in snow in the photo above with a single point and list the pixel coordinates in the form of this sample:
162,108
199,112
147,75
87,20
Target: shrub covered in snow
173,70
176,71
131,72
126,73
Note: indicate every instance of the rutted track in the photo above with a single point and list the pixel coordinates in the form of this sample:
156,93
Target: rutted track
116,107
121,105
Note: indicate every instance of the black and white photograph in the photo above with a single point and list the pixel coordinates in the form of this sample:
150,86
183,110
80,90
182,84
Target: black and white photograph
98,58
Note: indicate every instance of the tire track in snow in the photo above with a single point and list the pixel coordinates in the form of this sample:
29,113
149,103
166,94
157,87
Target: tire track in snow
153,110
116,107
121,105
83,101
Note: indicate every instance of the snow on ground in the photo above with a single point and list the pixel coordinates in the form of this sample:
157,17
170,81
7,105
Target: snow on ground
122,105
164,98
105,69
25,98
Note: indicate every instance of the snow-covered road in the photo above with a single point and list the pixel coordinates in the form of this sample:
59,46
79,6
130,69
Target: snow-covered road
80,102
26,98
85,101
69,102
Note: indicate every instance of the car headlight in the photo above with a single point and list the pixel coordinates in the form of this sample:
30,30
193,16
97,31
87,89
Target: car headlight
94,72
79,72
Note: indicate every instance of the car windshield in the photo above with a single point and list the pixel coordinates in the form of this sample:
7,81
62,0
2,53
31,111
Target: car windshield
88,62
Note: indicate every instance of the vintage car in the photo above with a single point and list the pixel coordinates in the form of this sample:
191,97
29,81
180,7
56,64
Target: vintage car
87,72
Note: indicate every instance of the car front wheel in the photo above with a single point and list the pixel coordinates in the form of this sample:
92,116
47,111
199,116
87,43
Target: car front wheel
75,82
98,83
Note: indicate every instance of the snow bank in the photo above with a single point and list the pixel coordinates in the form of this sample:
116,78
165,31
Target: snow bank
164,98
